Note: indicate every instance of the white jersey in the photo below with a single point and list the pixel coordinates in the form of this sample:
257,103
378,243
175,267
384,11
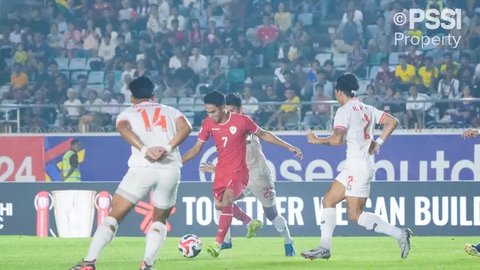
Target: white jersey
155,125
358,119
255,157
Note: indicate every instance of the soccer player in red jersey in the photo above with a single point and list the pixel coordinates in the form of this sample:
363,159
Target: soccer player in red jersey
229,131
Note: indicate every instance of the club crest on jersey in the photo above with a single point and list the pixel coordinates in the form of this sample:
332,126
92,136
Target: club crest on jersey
233,130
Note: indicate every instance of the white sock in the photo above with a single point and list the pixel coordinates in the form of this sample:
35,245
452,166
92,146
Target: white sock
228,236
101,238
281,225
374,223
327,226
155,238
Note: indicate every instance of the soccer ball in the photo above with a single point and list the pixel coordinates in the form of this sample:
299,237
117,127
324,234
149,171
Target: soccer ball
190,245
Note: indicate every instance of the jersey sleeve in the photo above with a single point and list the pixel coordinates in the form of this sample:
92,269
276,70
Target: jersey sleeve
250,126
123,116
204,133
341,119
378,115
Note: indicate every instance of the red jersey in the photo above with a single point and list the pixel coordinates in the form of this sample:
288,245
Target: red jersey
230,140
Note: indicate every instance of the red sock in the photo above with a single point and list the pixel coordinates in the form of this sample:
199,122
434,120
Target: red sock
224,223
240,215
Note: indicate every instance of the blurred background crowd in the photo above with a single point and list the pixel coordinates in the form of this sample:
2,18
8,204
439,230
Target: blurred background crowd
71,60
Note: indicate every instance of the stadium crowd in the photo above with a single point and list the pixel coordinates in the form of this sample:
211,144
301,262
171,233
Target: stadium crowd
74,53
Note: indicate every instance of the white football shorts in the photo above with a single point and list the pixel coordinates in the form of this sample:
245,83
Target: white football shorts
262,186
356,177
139,181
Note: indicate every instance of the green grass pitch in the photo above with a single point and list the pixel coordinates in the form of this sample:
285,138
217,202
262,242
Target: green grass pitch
21,252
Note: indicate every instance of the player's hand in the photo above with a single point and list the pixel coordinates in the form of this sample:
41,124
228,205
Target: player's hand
207,168
298,153
374,148
311,137
470,133
155,153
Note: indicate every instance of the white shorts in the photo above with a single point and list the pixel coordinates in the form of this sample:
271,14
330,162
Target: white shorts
356,179
139,181
261,185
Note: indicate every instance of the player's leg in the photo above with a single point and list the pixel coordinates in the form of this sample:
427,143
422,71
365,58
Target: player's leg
227,241
105,232
356,197
164,198
473,250
334,195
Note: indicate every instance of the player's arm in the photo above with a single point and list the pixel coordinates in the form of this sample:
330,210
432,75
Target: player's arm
183,130
193,151
471,133
273,139
125,130
207,168
389,123
337,137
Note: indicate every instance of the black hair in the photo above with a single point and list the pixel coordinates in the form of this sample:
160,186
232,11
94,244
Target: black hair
141,88
215,98
233,99
348,84
74,141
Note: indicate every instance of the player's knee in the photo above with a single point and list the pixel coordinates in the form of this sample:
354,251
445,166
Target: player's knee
218,206
111,223
270,212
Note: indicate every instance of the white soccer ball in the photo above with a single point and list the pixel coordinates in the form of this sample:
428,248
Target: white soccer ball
190,245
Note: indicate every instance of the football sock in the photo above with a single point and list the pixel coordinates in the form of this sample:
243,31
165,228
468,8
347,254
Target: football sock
374,223
228,236
328,222
155,238
224,223
101,238
281,225
240,215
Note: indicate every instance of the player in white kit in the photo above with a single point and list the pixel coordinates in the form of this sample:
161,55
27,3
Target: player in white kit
260,182
354,124
154,131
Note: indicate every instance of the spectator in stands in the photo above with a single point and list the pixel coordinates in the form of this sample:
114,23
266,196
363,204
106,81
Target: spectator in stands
92,112
448,87
106,51
184,79
211,37
128,35
39,117
39,49
266,111
320,113
371,98
127,12
124,89
327,86
57,94
416,111
381,38
19,79
245,49
448,62
467,110
110,83
154,22
72,108
195,33
128,69
250,107
109,114
103,9
427,75
142,70
405,73
199,63
163,8
347,32
40,76
413,56
180,37
91,38
54,73
331,73
216,75
175,61
72,38
55,39
283,19
357,14
123,52
81,89
175,15
15,36
229,34
288,112
20,55
267,34
357,60
385,76
301,36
